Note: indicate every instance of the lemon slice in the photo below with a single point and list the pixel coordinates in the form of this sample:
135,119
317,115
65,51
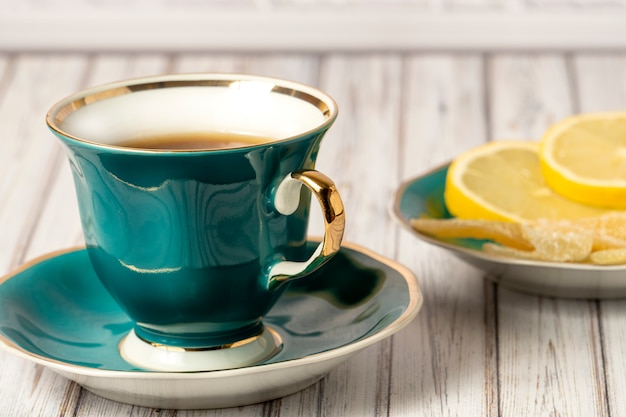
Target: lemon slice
583,158
502,180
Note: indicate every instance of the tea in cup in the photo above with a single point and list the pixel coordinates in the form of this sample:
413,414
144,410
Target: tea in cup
191,197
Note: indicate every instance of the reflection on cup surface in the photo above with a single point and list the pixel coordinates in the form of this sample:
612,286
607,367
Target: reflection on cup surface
175,178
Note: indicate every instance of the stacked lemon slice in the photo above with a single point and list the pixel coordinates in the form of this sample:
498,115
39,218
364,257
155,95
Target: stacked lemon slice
560,199
503,181
584,159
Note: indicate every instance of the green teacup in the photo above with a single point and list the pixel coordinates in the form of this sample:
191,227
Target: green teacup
189,188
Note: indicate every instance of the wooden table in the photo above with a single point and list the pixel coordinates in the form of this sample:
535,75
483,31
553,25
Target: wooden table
474,349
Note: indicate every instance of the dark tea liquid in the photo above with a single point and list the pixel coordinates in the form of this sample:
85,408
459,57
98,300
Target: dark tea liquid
195,141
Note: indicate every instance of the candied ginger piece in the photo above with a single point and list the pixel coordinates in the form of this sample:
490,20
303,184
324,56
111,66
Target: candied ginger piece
609,256
610,224
557,244
508,252
602,241
505,233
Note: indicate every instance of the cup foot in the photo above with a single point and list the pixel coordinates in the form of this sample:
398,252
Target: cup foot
252,351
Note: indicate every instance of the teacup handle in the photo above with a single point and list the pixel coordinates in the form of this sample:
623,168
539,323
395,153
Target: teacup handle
286,200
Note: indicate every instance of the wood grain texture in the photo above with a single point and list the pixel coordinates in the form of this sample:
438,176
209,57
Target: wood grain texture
441,365
550,347
58,222
28,159
361,150
527,93
475,349
359,154
601,86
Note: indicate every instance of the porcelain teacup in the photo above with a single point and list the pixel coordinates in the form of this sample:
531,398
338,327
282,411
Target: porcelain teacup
191,201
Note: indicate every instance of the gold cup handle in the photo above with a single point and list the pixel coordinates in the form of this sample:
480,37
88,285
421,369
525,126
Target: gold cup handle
286,201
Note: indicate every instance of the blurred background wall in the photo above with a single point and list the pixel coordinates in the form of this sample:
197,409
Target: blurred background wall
448,5
311,24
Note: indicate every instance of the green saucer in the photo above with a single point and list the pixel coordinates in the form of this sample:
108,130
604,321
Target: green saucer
55,312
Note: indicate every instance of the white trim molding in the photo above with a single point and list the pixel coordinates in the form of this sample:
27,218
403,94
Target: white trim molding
397,29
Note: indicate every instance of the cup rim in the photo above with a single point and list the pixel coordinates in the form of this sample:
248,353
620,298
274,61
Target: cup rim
66,106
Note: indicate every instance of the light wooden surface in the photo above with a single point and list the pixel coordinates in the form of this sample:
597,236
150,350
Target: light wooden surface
474,349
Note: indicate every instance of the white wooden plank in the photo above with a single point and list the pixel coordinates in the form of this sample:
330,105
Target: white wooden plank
528,94
28,153
59,223
360,151
443,112
613,323
33,390
321,28
27,159
303,68
443,362
7,65
600,82
601,86
550,357
110,67
549,349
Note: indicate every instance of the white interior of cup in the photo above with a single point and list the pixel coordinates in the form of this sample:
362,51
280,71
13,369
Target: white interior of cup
249,107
